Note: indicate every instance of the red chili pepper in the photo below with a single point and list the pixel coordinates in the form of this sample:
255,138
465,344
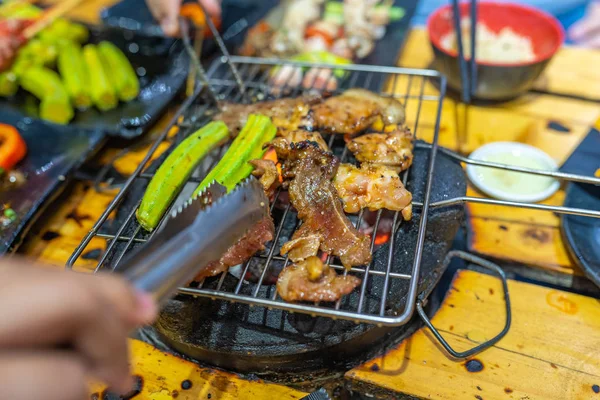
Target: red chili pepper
12,146
312,31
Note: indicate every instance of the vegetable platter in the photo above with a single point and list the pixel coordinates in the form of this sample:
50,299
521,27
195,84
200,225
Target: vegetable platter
93,77
52,153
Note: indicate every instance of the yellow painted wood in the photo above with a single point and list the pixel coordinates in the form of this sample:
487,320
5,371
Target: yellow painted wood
162,376
551,351
532,237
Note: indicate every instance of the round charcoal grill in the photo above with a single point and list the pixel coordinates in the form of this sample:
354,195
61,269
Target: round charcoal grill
275,342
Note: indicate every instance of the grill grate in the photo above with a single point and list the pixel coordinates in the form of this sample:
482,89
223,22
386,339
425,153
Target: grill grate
369,302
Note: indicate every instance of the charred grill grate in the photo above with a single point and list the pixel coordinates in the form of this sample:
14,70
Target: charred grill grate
382,283
359,306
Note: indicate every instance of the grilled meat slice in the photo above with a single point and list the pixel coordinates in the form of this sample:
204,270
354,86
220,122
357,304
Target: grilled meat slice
394,149
314,196
253,241
354,111
344,115
287,114
286,140
392,111
266,172
310,280
371,186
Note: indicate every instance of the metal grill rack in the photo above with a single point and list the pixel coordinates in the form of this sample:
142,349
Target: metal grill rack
196,111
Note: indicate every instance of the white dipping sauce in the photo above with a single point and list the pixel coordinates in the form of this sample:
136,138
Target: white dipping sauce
514,182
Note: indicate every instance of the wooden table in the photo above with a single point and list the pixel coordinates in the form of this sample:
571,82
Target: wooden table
552,349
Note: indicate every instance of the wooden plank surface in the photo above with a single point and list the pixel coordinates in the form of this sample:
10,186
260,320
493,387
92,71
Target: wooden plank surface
165,377
550,352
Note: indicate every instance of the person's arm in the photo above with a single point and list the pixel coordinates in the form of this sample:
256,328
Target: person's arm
166,13
59,329
586,32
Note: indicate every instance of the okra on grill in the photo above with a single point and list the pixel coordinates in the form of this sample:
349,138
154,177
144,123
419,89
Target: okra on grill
175,171
248,145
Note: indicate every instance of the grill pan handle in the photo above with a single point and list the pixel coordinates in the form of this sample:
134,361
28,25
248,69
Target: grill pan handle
483,346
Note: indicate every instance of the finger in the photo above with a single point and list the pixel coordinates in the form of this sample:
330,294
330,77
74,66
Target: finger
166,13
136,308
213,7
48,375
103,344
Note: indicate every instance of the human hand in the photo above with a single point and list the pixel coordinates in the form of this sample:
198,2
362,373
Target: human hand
586,32
60,328
166,13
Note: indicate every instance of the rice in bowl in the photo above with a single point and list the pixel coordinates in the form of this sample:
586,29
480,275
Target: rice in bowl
504,47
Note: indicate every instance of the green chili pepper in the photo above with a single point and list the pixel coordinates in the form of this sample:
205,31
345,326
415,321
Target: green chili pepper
248,145
10,214
175,171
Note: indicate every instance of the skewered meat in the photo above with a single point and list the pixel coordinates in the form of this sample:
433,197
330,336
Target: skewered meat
310,280
286,75
344,115
392,149
287,114
371,186
253,241
313,195
320,79
285,143
392,111
266,172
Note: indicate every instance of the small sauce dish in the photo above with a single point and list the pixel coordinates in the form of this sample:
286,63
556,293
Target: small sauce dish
508,185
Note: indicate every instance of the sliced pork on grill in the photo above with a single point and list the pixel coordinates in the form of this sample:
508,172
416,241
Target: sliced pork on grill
391,110
285,142
393,149
287,114
311,280
266,172
373,187
310,171
254,240
354,111
344,115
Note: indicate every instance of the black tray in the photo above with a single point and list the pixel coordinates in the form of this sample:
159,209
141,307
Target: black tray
582,234
54,152
162,65
240,15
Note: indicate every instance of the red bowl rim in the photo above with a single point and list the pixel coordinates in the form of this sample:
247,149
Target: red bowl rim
553,22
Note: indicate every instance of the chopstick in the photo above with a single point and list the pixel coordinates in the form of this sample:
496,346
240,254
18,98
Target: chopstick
468,73
49,17
473,61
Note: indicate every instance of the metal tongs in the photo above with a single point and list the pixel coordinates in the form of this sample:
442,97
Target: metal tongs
196,234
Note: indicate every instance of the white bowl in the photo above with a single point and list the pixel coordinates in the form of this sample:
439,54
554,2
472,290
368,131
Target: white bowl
515,149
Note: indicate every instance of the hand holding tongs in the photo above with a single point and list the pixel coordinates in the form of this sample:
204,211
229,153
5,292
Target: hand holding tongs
195,234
